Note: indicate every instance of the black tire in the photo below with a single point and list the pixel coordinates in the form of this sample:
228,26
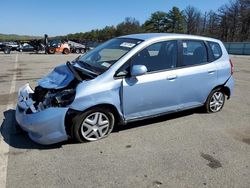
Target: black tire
77,51
82,51
7,51
65,51
78,124
51,50
208,105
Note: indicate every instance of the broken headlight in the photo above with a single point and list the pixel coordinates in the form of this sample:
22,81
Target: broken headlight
64,98
59,99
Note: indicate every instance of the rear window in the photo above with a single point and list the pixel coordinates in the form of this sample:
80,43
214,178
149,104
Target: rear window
215,47
194,52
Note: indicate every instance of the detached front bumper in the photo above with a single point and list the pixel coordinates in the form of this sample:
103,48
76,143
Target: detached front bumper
44,127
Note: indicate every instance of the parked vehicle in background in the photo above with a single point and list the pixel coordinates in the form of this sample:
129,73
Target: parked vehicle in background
56,46
76,47
13,45
25,47
5,48
126,79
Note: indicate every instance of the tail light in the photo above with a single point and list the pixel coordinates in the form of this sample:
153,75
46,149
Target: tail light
232,66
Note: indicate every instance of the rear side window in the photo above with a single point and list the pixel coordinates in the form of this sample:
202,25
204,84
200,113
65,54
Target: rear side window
194,52
216,49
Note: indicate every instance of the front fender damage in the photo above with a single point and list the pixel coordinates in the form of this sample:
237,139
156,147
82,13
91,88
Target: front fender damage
111,96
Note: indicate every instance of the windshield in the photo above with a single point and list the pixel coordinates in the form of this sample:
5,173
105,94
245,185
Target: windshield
105,55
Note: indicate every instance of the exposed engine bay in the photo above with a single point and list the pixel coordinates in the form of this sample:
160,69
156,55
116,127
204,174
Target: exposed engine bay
45,98
57,89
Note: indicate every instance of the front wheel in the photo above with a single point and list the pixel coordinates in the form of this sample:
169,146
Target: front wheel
215,101
92,125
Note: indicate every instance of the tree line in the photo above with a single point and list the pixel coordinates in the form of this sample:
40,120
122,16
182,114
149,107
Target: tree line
231,22
13,37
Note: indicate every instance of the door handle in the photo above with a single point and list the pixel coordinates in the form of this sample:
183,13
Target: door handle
211,71
172,77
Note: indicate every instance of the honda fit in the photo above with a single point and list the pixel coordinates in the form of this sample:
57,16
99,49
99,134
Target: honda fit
126,79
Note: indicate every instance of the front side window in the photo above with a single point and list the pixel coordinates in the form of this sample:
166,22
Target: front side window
194,52
108,53
158,56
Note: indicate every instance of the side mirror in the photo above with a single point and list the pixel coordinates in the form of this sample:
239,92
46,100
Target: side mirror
138,70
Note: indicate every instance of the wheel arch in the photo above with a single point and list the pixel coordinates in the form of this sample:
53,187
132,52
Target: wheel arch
73,113
118,118
224,89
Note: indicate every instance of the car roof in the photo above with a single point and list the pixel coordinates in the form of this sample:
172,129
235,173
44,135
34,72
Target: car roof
149,36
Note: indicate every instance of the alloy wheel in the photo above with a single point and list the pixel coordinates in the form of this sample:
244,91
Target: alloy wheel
217,101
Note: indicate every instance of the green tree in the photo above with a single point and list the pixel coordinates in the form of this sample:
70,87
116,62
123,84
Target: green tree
229,23
175,21
129,26
108,32
156,23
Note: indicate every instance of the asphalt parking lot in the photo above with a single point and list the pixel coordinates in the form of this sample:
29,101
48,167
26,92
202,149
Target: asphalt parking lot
187,149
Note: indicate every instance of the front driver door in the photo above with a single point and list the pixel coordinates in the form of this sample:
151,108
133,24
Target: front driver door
156,91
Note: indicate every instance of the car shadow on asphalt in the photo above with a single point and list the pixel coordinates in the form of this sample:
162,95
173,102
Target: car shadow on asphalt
15,137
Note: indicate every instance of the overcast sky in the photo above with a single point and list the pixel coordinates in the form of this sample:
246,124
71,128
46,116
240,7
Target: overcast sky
59,17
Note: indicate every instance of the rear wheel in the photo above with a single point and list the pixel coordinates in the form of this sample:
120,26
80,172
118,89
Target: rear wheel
82,51
92,125
66,51
215,101
77,51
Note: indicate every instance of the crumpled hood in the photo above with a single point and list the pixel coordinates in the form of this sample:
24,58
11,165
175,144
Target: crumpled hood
59,78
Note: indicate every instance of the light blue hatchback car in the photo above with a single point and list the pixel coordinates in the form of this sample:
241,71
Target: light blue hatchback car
126,79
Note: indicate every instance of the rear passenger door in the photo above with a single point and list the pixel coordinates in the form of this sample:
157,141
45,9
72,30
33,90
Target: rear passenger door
197,75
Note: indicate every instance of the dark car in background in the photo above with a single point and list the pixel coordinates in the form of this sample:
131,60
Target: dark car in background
25,48
5,48
13,45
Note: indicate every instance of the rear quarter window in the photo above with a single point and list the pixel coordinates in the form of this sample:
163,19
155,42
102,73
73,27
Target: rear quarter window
216,50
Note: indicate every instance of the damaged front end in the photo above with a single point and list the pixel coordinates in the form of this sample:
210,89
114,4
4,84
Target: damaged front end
41,112
58,89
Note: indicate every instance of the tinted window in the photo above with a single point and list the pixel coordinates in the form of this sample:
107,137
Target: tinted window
158,56
154,49
194,52
215,47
